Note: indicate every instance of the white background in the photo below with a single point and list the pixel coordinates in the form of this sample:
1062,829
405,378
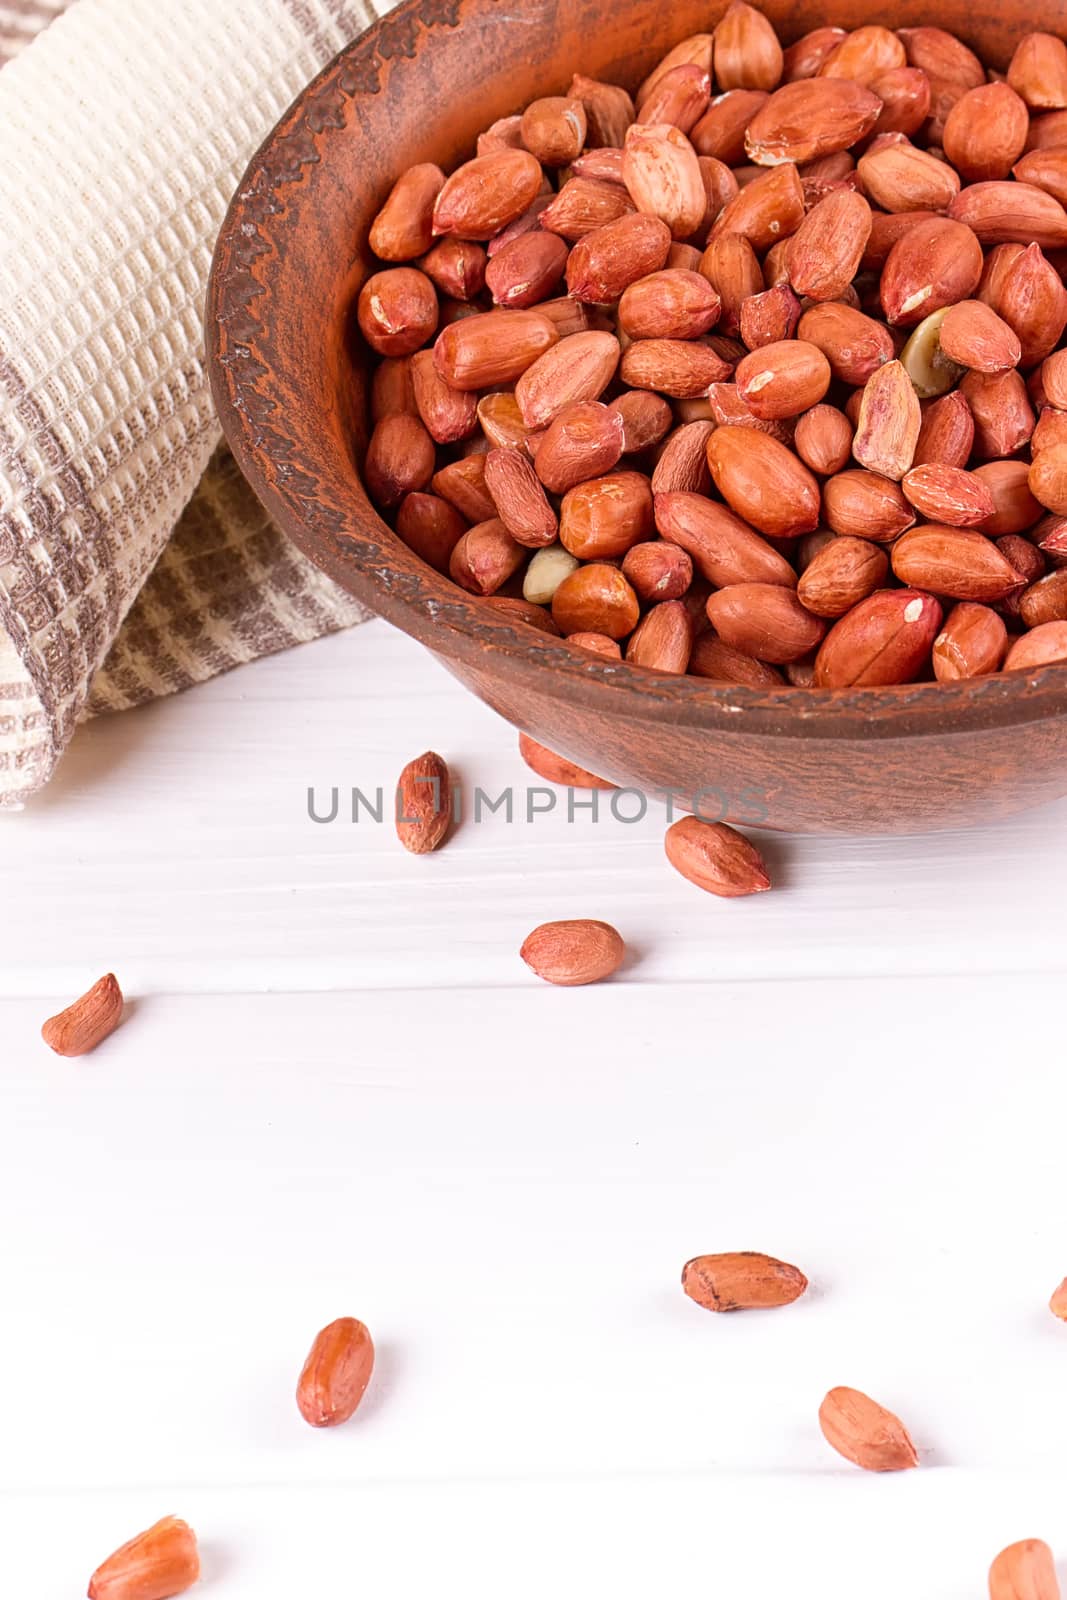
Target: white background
338,1091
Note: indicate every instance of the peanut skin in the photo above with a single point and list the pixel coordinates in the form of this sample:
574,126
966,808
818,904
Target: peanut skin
336,1373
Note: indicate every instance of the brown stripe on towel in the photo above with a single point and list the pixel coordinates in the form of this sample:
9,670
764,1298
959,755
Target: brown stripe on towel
228,588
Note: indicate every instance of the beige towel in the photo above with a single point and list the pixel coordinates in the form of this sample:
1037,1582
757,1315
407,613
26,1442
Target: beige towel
134,561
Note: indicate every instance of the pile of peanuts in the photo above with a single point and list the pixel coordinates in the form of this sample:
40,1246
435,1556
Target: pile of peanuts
754,376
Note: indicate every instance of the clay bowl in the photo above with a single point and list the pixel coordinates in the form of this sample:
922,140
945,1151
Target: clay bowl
290,382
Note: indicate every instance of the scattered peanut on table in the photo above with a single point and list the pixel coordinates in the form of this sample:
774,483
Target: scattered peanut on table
336,1373
865,1433
162,1561
574,952
88,1022
1024,1571
742,1280
424,803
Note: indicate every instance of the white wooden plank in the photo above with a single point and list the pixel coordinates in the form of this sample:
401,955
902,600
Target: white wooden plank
506,1191
175,845
762,1537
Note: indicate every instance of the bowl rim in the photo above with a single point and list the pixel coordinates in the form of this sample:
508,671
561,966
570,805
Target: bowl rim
372,562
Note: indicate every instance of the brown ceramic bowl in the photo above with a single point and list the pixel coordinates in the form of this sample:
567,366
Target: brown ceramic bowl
290,382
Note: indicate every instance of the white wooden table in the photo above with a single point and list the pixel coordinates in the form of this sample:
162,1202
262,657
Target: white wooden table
339,1092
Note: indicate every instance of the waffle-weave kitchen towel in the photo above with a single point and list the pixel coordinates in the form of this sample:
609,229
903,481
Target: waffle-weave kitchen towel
134,561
